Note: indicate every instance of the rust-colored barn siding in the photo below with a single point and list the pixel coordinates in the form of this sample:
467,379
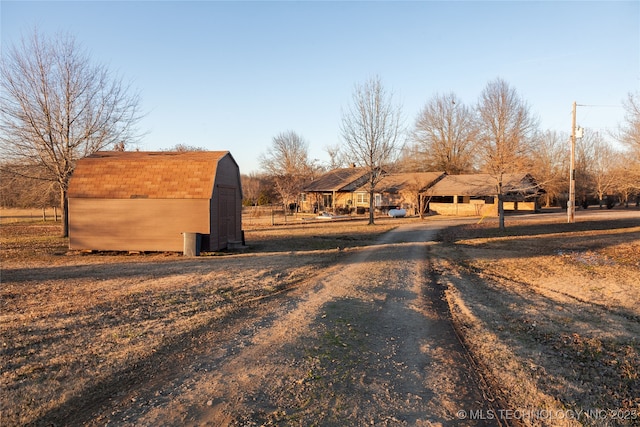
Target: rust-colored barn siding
139,201
135,224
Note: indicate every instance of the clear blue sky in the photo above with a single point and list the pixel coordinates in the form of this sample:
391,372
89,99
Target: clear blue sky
232,75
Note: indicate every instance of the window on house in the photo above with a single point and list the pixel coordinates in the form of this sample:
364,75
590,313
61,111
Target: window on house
362,198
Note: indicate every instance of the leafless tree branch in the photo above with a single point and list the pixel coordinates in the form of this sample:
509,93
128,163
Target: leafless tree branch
372,129
507,132
57,107
446,131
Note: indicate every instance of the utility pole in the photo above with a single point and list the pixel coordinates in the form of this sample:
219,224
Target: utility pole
571,203
575,133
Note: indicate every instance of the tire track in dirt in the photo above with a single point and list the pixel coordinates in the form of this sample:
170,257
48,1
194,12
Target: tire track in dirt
366,342
114,399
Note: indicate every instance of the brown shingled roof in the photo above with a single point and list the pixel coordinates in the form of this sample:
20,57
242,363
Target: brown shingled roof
153,175
345,179
415,181
483,185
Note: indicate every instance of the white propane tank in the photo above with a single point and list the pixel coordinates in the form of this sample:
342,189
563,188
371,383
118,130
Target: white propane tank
397,213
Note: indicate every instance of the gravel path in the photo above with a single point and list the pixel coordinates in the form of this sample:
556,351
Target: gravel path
365,342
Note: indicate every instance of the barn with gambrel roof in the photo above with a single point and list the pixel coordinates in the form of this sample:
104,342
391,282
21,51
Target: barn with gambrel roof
147,201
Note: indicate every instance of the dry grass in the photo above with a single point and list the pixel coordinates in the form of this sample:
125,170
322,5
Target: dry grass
549,310
552,311
71,321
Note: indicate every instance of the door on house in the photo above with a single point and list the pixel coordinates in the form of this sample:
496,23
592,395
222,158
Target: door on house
327,200
226,216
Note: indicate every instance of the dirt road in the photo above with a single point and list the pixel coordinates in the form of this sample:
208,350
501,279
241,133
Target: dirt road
294,331
366,342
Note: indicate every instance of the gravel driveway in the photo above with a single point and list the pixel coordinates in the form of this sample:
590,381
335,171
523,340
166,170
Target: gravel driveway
367,341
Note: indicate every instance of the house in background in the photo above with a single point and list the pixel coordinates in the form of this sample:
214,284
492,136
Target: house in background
146,201
334,191
477,194
346,191
401,190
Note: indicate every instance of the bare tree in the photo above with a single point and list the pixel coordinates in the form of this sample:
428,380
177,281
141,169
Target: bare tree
606,164
550,164
417,185
251,188
56,107
506,134
287,162
630,136
446,131
630,131
627,182
18,191
584,160
337,157
185,148
372,130
410,159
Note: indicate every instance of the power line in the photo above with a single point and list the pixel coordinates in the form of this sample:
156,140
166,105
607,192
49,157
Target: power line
600,105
